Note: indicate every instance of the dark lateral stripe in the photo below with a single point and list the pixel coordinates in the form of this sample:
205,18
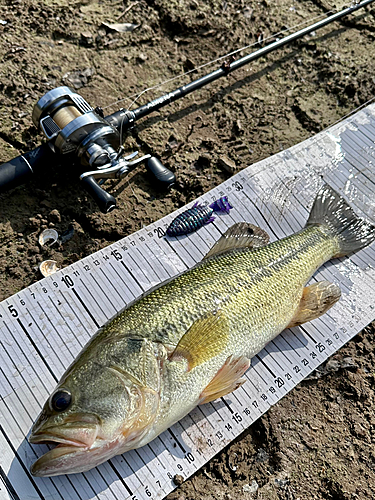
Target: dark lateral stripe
85,307
22,464
37,349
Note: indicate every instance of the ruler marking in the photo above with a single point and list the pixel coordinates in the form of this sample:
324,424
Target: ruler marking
67,324
176,440
158,262
227,405
95,300
53,328
155,455
131,468
25,357
43,338
69,306
133,263
137,452
20,374
123,482
265,365
36,349
8,485
289,344
104,294
115,288
277,353
123,281
132,275
85,307
29,476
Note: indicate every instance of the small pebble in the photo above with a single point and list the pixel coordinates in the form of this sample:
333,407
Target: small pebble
281,483
261,456
141,58
34,222
227,164
178,479
250,488
55,216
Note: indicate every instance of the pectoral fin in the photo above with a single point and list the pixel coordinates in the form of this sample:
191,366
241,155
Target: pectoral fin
240,235
226,380
316,300
206,338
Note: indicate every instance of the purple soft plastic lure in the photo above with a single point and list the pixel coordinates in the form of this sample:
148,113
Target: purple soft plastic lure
197,216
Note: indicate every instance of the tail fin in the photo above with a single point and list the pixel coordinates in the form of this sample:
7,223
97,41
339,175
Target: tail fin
332,211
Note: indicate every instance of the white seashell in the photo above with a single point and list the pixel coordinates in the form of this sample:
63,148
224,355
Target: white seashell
48,236
48,267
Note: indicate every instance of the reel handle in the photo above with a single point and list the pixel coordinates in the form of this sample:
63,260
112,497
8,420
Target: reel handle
163,176
105,201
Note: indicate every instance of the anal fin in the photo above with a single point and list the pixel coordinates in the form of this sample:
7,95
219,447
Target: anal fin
316,300
226,380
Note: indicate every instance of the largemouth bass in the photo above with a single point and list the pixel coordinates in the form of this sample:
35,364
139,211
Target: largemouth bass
191,340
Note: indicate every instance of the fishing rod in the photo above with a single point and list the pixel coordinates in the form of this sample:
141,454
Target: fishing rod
79,134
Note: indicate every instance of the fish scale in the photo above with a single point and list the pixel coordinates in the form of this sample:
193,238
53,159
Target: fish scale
213,282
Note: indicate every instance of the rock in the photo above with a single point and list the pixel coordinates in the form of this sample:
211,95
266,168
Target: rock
45,203
250,488
79,78
55,216
141,58
281,483
178,479
121,27
261,456
227,164
87,38
34,222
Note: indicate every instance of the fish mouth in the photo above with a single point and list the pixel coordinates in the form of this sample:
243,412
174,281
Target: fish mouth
47,438
72,451
60,459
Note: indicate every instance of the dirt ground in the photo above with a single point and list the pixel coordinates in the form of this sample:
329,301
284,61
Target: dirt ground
318,442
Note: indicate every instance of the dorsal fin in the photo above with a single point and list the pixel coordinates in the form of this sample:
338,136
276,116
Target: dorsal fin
240,235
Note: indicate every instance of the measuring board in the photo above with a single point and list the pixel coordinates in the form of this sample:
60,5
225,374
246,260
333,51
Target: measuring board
44,326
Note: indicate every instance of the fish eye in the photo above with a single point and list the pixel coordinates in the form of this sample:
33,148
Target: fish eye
61,400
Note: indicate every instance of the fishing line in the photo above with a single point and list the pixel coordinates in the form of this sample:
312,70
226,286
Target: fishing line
226,56
138,95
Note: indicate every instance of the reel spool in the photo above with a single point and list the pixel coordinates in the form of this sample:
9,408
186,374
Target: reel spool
73,126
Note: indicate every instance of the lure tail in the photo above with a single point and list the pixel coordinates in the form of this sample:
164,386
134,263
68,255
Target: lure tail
221,205
331,211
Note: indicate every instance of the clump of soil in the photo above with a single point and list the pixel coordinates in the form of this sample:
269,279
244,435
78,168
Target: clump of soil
317,442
